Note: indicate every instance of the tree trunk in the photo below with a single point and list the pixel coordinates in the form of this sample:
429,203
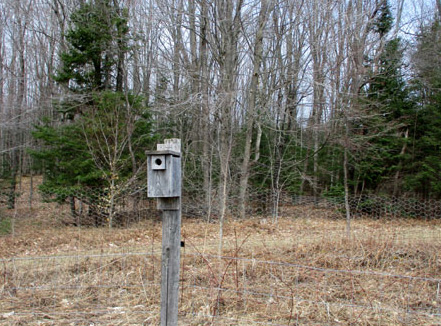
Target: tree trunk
257,59
346,183
205,109
400,165
228,22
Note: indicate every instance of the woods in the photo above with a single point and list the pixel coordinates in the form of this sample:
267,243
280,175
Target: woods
317,98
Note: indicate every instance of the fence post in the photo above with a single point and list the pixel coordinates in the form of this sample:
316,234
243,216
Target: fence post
164,183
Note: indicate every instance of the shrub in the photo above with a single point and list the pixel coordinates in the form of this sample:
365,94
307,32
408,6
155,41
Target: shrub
5,225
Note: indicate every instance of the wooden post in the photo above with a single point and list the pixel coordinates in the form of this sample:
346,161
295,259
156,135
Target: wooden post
164,183
171,257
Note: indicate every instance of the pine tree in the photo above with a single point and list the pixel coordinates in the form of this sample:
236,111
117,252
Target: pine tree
98,146
425,163
390,110
98,40
384,128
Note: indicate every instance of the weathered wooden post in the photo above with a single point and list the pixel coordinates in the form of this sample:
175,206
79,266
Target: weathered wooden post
164,183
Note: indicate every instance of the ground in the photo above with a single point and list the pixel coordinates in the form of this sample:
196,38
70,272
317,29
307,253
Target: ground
302,269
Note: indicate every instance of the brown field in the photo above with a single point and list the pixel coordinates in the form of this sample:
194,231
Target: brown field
302,270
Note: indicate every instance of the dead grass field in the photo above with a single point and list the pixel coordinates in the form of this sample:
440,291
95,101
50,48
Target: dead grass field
301,270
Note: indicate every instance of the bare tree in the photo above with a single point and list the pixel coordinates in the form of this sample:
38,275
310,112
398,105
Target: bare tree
257,58
225,39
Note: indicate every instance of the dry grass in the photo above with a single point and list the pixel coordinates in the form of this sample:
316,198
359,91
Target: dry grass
300,271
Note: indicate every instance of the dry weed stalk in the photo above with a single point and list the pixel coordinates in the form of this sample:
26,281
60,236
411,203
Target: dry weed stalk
300,271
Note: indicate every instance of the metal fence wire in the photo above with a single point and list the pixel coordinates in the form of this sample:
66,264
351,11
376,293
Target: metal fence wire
122,207
123,288
62,264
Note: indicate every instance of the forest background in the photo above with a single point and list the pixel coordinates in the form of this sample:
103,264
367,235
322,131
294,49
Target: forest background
321,97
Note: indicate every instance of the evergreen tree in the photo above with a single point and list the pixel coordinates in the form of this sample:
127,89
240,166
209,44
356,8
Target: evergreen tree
102,143
390,112
424,176
94,150
383,22
383,129
98,40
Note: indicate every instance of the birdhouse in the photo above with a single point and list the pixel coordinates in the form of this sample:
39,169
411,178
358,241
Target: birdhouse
164,172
